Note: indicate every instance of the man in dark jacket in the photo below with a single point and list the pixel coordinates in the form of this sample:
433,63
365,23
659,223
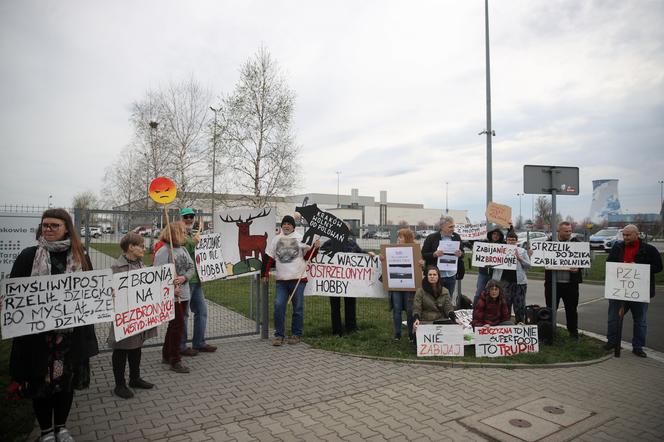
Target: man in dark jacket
484,273
431,253
632,249
567,285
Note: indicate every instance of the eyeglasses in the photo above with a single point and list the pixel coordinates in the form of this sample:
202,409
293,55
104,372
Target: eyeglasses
188,216
52,227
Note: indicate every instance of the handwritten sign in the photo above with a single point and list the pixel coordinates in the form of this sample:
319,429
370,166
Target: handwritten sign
439,340
344,274
36,304
471,232
143,299
402,270
209,258
323,224
506,340
627,282
499,214
560,255
499,256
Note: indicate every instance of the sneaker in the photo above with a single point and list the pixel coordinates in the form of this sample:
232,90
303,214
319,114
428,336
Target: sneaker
64,435
48,437
640,353
189,352
396,338
293,340
278,341
179,368
207,348
123,392
140,383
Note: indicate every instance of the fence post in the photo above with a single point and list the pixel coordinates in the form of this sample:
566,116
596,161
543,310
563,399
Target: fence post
264,307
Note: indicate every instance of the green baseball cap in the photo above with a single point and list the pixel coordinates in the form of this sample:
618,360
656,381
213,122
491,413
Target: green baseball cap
187,211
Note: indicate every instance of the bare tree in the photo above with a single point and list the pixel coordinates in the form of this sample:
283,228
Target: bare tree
125,180
84,200
255,131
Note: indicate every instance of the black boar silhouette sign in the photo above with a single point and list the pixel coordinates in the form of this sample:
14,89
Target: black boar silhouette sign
324,224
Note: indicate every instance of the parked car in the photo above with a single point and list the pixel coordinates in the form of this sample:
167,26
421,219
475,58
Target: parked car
369,235
609,243
522,240
597,240
421,234
108,229
95,232
382,235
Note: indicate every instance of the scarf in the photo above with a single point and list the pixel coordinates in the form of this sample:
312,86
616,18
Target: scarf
42,263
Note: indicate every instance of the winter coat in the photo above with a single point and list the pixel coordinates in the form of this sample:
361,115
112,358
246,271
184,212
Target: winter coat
429,308
431,245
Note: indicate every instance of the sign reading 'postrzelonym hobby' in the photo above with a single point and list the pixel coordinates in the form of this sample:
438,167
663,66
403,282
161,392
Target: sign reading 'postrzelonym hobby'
143,299
344,274
36,304
563,255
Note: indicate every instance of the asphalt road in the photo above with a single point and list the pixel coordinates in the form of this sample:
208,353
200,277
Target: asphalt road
593,309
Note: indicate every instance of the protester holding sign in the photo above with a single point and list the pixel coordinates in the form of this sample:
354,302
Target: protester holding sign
197,301
432,250
484,273
184,268
133,248
432,301
491,308
289,254
515,281
350,302
632,249
48,366
567,285
402,300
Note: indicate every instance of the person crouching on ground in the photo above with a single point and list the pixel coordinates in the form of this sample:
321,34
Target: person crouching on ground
184,270
289,255
133,248
432,301
491,308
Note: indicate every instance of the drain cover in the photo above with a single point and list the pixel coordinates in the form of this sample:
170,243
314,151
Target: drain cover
521,423
554,410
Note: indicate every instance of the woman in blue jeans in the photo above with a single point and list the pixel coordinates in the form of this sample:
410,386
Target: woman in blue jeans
400,301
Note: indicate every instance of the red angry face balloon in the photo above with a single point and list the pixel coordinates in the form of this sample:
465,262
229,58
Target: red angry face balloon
162,190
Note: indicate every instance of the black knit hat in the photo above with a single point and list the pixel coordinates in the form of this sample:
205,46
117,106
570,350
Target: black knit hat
288,220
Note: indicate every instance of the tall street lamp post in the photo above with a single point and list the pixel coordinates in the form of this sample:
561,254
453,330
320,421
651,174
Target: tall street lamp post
488,131
153,129
447,183
214,157
338,174
520,195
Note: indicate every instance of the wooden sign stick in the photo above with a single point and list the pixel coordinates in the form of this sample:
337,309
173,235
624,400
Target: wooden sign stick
312,250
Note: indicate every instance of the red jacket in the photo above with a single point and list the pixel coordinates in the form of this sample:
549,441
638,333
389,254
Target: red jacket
488,311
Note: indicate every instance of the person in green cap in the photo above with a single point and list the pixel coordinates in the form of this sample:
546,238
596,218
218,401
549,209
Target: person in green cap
197,302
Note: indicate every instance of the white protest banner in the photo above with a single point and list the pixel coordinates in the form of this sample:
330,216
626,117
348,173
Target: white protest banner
466,317
143,299
447,262
17,231
36,304
499,214
471,232
401,268
560,255
244,235
496,255
209,258
627,282
439,340
506,340
344,274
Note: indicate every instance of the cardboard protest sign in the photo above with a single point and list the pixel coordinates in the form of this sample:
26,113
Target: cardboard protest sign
557,255
627,282
506,340
496,255
466,317
447,262
36,304
209,258
324,224
499,214
17,231
143,299
401,267
471,232
439,340
244,235
344,274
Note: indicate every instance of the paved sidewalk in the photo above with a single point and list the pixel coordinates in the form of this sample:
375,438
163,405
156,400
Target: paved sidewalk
249,390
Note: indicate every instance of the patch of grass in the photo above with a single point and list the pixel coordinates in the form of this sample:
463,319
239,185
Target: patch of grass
16,416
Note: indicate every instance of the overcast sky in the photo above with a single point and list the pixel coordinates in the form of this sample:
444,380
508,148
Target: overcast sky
390,93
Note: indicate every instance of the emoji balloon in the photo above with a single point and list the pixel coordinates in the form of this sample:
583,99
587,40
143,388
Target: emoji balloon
163,190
